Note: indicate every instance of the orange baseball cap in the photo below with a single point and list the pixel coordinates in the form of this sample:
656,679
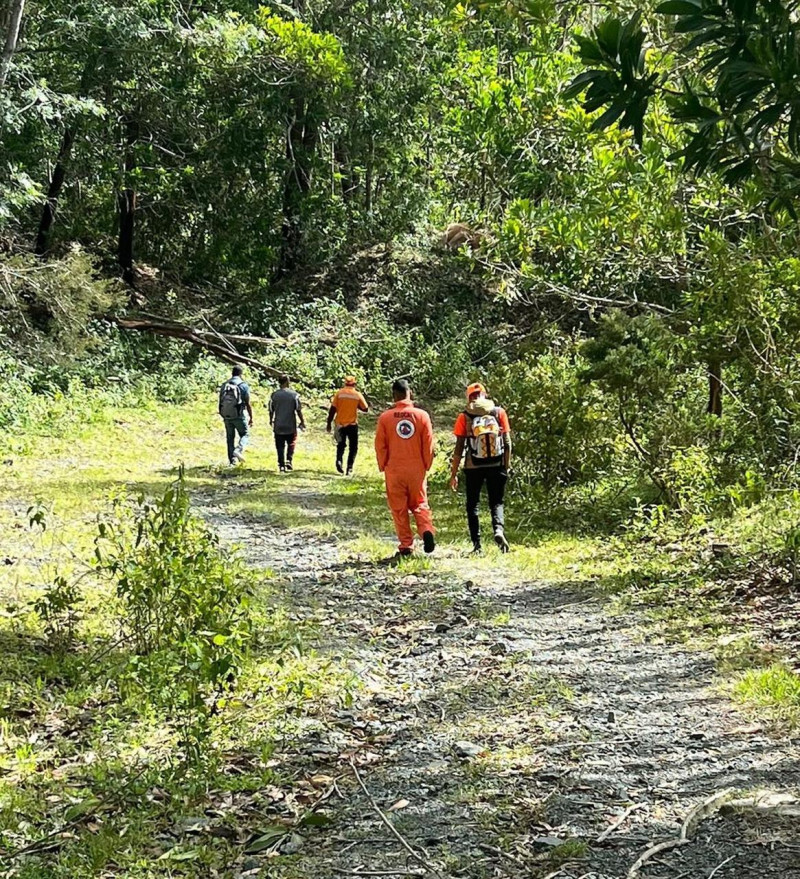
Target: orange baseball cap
350,380
475,388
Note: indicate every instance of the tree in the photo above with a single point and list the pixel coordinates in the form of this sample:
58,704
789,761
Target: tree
728,71
13,22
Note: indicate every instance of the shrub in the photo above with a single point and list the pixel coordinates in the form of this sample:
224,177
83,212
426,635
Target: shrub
58,609
185,607
563,434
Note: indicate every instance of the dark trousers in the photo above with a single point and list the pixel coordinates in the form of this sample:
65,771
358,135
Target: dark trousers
348,434
285,443
495,479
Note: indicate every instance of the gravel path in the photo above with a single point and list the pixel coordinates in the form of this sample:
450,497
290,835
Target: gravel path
504,726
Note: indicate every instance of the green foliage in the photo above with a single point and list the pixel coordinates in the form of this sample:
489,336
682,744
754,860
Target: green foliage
776,687
58,609
184,608
638,362
45,307
622,84
563,434
731,86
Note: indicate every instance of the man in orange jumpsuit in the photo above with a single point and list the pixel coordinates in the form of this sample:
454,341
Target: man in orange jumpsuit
404,448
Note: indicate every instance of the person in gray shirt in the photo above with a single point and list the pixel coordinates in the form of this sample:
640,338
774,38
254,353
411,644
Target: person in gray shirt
285,415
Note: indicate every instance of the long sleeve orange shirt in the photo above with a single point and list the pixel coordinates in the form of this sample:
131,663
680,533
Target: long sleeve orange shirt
404,438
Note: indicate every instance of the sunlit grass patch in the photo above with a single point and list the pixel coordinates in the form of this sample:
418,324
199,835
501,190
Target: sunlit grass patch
776,688
569,850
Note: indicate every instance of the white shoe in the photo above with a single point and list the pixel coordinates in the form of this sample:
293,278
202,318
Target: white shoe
238,455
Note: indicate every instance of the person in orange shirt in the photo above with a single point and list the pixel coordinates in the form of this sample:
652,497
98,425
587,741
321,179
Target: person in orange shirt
483,441
404,449
346,403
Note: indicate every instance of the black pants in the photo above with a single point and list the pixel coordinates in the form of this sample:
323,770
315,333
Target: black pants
285,443
348,434
495,479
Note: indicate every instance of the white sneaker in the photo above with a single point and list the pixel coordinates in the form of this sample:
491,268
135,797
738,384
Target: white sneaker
238,455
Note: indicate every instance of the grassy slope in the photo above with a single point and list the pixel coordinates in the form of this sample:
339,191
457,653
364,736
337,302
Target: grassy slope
65,738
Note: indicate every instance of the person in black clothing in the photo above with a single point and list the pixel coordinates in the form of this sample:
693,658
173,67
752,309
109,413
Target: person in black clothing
483,440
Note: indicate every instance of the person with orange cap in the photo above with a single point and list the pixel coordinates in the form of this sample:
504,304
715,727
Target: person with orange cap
404,449
483,431
346,403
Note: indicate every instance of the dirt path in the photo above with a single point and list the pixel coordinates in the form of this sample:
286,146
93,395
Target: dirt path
507,725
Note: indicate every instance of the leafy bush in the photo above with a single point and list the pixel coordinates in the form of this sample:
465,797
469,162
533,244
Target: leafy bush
58,608
184,605
641,366
46,307
563,434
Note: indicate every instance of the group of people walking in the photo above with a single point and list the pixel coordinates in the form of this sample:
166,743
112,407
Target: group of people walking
404,448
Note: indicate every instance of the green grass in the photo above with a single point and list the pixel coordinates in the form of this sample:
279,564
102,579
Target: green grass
775,688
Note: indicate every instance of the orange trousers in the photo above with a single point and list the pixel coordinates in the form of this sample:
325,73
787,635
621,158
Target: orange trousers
407,492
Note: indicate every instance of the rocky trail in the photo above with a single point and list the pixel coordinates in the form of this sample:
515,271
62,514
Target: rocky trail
512,728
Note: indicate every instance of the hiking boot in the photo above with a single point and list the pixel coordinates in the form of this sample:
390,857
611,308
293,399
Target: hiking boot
429,541
339,467
500,540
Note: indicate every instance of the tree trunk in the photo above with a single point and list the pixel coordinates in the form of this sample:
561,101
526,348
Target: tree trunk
14,19
53,193
302,134
715,388
368,188
126,203
341,158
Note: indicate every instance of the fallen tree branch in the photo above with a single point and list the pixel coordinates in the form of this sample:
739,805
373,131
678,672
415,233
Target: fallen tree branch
241,338
699,813
619,822
394,831
201,339
716,869
783,805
